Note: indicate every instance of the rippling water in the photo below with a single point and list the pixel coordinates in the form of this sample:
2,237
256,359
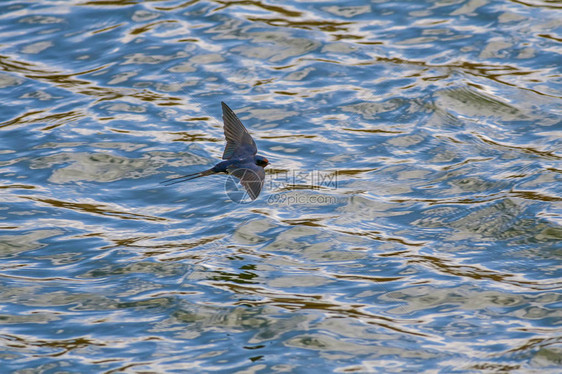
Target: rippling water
412,215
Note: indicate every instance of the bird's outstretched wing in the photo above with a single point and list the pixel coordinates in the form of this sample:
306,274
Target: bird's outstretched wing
251,176
239,143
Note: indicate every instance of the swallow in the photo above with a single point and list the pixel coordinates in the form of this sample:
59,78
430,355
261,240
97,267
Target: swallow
240,159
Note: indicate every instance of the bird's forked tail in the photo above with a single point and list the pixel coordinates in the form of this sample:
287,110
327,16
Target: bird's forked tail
187,177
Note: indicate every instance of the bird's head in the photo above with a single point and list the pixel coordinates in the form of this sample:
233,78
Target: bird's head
261,161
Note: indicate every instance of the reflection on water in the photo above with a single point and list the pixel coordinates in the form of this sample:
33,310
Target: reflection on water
432,244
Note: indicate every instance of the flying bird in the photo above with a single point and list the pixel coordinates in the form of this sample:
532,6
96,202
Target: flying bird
240,159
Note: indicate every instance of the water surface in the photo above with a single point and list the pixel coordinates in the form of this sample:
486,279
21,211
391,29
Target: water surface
411,220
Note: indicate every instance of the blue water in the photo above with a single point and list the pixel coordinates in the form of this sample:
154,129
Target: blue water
411,219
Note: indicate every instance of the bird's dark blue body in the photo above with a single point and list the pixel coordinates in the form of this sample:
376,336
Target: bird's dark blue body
240,159
223,166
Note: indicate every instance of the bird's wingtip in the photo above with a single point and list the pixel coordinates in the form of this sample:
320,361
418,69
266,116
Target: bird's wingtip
226,109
